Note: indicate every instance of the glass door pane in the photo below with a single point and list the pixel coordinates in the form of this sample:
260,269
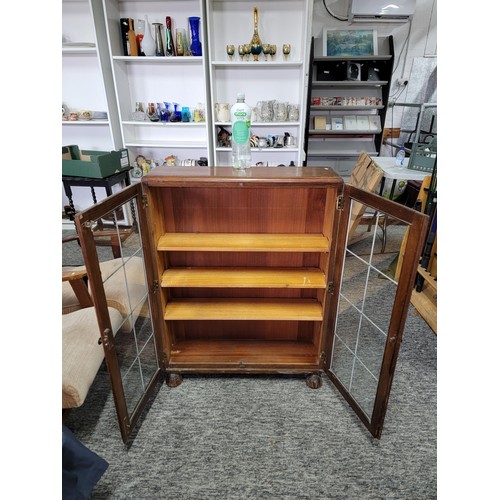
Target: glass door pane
112,237
375,278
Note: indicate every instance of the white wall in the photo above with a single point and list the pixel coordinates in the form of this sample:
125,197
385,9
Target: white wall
421,32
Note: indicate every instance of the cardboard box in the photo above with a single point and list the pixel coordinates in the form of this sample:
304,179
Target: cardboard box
93,164
338,123
320,123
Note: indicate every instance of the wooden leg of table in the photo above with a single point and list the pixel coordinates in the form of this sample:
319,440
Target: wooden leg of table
81,292
115,246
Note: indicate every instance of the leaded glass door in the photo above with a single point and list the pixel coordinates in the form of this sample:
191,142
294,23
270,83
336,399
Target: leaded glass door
375,271
115,245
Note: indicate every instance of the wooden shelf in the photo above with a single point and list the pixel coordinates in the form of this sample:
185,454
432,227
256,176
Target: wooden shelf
425,302
431,280
244,309
244,277
243,242
248,352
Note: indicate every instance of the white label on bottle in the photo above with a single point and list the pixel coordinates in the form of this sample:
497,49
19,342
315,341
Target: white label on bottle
241,131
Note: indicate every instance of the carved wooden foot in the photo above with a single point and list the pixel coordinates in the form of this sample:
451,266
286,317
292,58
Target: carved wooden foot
314,381
173,379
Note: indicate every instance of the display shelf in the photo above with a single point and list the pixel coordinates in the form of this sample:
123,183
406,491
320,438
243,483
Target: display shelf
269,150
238,277
79,51
243,263
148,123
84,123
329,133
348,84
344,109
166,144
341,147
244,309
233,23
158,79
367,96
159,59
263,124
200,353
243,242
190,80
328,59
257,64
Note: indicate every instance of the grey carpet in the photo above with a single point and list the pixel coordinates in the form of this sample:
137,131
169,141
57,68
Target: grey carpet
270,437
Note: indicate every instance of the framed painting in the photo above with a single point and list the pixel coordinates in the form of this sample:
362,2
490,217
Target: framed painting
349,42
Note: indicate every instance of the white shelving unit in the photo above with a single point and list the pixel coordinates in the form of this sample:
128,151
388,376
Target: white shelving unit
279,22
87,85
119,81
180,80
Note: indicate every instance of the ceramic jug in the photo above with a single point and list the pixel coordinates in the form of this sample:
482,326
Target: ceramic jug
222,111
280,111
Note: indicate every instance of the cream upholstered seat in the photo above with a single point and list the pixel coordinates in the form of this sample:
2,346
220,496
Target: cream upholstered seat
124,285
82,355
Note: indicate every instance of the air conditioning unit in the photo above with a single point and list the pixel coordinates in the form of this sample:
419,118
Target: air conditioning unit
370,11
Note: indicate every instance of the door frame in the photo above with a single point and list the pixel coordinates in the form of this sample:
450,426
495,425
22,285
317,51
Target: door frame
417,225
127,420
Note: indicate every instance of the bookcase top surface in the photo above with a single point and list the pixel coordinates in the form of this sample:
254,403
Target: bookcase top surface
189,176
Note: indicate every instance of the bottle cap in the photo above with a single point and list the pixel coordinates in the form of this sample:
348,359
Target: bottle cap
240,95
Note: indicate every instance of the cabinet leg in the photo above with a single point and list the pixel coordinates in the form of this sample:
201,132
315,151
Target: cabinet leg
313,381
173,379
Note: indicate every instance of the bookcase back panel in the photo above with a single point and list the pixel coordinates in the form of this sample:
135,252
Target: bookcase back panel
248,210
244,330
239,259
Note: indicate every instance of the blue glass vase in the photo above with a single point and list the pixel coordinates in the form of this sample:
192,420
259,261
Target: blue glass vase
194,24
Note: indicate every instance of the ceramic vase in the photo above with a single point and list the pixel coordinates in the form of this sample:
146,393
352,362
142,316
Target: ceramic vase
148,45
194,24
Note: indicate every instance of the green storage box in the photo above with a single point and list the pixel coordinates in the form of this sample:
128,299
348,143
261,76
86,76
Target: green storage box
423,157
93,164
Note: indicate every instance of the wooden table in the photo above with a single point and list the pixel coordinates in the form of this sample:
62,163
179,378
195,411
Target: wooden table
107,183
395,173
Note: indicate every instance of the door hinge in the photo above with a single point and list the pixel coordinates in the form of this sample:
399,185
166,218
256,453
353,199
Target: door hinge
164,361
322,358
330,287
156,285
145,202
105,339
340,202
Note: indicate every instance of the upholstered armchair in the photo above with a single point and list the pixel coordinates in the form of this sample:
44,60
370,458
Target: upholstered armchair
82,352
